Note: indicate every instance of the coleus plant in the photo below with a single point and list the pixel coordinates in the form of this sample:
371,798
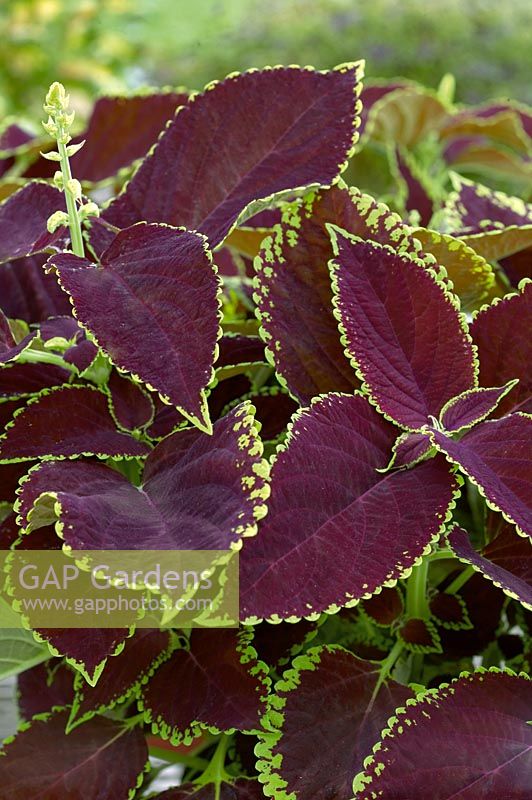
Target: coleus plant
240,351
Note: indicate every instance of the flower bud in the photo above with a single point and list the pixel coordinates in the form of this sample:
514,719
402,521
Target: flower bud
56,220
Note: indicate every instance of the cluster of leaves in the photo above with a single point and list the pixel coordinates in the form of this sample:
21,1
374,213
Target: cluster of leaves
252,354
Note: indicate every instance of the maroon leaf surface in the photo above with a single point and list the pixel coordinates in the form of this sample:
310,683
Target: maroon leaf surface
121,130
230,687
419,636
402,330
251,136
293,287
505,348
23,218
506,561
410,448
415,195
237,349
385,607
103,759
153,308
66,422
44,687
199,493
496,225
28,293
471,407
471,739
495,455
25,380
449,611
131,406
337,529
122,676
324,721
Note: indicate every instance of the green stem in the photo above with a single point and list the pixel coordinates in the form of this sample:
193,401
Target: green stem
417,606
174,757
447,553
476,504
386,667
44,357
460,580
215,772
416,591
73,218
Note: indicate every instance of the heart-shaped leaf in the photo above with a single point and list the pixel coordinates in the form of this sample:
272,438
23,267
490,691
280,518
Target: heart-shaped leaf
122,677
293,287
350,530
506,561
450,611
230,687
106,757
472,406
216,151
419,636
23,218
471,738
401,328
327,710
199,493
66,422
153,308
495,456
505,349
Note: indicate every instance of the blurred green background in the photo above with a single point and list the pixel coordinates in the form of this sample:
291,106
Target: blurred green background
96,45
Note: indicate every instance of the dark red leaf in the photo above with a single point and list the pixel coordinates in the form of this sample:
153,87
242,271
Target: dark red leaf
199,493
66,422
44,687
122,676
402,330
495,455
153,308
230,687
470,739
28,293
293,287
104,757
385,607
249,137
506,561
337,530
23,218
505,349
323,722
